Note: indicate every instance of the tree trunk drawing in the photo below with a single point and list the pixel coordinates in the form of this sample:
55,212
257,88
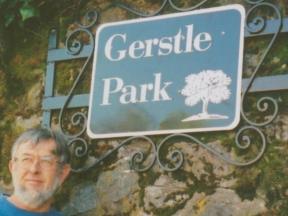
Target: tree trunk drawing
205,107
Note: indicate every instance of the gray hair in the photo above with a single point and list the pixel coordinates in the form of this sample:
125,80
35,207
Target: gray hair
37,135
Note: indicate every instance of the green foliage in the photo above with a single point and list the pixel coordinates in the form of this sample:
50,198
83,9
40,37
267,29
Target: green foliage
3,91
17,11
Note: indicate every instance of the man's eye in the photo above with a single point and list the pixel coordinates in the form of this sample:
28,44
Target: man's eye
26,160
46,161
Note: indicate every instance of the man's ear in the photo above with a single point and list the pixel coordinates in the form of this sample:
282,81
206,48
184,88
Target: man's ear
65,172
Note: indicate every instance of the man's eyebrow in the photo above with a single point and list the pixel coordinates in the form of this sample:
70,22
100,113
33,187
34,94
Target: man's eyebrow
47,156
31,155
27,154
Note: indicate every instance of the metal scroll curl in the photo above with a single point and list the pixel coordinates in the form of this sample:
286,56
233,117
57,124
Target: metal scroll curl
80,149
173,160
74,46
161,8
254,2
75,43
89,20
140,160
244,142
256,25
196,6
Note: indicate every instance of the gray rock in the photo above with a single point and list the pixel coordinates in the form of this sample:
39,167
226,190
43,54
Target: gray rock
224,202
83,198
114,193
198,158
166,192
118,189
281,129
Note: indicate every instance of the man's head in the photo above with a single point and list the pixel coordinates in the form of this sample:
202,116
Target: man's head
39,165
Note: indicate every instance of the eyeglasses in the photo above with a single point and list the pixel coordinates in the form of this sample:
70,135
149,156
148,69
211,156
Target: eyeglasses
45,162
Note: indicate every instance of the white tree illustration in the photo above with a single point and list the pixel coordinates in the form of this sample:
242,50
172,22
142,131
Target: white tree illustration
206,86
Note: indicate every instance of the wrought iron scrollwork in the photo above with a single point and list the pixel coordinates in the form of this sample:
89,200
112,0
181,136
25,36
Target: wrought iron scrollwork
82,148
254,2
91,18
257,25
171,160
198,5
163,5
74,45
79,118
137,160
245,143
175,158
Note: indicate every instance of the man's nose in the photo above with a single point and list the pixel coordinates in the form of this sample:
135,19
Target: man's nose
35,166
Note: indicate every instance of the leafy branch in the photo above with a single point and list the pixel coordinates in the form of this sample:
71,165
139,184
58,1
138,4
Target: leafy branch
17,11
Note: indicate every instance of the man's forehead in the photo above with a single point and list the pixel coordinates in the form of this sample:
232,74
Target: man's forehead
43,146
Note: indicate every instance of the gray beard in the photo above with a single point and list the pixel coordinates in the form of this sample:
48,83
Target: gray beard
35,198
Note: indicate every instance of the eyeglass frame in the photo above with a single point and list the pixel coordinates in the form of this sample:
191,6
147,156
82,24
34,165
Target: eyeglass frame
45,162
